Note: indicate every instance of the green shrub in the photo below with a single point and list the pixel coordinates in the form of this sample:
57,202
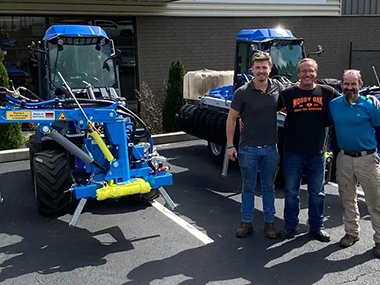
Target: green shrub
174,96
4,80
10,134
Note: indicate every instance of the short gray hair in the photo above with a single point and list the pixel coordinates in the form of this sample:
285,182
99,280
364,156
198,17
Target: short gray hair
307,59
353,71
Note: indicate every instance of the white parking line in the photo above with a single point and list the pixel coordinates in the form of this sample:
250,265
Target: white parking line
190,228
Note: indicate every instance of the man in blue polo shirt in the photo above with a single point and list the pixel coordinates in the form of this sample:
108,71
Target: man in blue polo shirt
354,120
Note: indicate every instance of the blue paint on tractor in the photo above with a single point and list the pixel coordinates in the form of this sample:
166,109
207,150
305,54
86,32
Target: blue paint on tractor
253,35
224,92
74,31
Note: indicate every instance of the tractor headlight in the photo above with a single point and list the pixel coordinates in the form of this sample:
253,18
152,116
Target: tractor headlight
329,159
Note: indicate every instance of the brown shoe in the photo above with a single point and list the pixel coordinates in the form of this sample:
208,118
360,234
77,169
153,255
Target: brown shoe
376,250
270,230
244,229
349,240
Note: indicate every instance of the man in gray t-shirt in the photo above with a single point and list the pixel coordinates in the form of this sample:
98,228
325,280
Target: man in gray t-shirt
256,103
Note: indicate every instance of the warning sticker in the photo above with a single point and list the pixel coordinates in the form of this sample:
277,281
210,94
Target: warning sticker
62,117
18,115
41,115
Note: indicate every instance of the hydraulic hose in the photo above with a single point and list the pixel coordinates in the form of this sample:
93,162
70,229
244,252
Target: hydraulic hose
72,148
100,103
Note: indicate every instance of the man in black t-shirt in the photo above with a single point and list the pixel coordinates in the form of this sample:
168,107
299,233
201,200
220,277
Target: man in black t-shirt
306,129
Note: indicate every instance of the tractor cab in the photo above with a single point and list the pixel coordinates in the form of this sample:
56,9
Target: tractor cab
286,51
84,56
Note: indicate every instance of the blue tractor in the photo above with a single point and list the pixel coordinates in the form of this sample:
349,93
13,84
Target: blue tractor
87,144
205,116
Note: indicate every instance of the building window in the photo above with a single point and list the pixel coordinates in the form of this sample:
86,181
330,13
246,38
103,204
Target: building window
17,32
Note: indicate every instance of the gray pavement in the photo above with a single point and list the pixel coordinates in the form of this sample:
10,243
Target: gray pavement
126,242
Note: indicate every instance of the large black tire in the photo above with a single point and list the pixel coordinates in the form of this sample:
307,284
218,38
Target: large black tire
147,197
34,147
52,179
203,123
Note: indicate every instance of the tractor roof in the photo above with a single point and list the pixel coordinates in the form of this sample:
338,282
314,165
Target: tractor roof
74,31
263,34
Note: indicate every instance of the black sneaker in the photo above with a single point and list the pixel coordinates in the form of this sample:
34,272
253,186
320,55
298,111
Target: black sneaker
320,235
287,233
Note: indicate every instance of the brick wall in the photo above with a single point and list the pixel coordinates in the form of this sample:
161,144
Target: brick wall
209,43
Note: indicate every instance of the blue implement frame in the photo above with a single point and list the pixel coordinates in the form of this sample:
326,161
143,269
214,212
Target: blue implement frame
115,127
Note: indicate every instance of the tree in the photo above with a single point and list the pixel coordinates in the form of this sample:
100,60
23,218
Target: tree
10,134
174,96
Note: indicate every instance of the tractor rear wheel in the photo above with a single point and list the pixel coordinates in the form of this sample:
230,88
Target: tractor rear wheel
51,180
34,147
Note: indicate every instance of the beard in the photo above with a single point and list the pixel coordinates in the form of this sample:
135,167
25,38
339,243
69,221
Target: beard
350,96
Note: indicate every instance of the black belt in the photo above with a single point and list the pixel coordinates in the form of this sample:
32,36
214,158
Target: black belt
359,153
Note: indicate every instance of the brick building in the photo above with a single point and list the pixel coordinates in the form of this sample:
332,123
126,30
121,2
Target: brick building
152,33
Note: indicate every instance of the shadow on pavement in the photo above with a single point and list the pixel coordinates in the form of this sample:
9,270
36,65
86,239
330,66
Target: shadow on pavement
254,259
35,243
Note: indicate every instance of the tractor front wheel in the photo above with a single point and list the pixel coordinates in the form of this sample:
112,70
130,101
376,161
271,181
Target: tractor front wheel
34,147
52,179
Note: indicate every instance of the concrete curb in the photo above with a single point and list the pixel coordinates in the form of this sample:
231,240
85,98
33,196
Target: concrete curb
23,153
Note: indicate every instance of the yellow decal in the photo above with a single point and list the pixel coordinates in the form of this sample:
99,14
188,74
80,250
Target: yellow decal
18,115
62,117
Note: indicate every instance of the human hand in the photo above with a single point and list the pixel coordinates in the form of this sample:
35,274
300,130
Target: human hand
241,124
375,101
232,153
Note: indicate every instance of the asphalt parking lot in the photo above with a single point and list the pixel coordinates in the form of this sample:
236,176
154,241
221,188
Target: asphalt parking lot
129,242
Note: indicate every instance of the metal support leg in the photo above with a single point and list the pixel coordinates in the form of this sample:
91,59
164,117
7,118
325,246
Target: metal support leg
328,172
77,212
167,198
226,161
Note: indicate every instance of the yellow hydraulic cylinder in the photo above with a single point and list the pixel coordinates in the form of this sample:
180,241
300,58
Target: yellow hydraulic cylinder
112,190
102,145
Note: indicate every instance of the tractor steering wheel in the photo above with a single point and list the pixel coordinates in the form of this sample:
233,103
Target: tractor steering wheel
75,78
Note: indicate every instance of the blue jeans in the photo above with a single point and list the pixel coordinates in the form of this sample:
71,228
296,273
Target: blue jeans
314,165
251,160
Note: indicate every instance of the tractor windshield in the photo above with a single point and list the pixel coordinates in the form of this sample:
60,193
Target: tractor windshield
79,60
285,57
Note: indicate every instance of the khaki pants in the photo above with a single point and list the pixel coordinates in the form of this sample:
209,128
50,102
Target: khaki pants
366,171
